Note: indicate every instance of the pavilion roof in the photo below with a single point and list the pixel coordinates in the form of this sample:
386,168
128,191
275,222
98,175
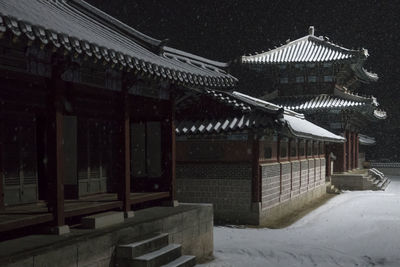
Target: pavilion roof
340,100
81,29
313,49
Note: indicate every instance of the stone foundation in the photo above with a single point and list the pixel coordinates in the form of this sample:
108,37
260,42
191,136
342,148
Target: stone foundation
189,225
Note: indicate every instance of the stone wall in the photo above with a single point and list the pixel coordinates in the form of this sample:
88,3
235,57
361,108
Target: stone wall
229,188
226,186
287,190
270,184
304,176
189,225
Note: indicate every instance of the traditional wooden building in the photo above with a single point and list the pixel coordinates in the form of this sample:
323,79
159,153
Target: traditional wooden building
87,110
321,79
252,159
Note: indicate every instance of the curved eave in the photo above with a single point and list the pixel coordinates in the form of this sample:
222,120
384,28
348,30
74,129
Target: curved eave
380,114
304,129
366,140
79,29
308,49
364,75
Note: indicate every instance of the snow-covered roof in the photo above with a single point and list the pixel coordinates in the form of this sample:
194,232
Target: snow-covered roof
366,140
312,49
302,128
340,100
255,113
79,28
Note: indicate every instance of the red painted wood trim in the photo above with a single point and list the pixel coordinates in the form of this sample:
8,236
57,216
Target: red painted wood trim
125,190
223,161
1,171
348,151
173,149
55,153
357,150
256,183
149,197
96,209
354,150
27,221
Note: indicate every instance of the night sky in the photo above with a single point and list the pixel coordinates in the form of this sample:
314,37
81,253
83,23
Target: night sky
226,29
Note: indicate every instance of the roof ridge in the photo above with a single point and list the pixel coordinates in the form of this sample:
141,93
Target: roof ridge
315,39
88,9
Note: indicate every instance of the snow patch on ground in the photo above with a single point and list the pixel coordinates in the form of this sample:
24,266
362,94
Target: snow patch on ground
358,228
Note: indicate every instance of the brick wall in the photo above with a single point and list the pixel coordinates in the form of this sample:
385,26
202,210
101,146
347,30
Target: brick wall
270,184
286,171
295,178
281,181
323,169
226,186
311,174
304,176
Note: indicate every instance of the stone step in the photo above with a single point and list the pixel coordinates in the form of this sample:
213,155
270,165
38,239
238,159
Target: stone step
182,261
136,249
158,257
102,219
384,184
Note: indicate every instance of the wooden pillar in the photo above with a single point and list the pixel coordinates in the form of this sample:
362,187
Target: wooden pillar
125,185
328,160
256,183
349,156
357,149
54,150
169,151
1,174
353,150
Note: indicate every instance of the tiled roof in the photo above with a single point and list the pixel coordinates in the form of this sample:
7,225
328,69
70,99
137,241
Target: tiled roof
245,121
339,101
366,140
255,113
309,48
313,49
81,29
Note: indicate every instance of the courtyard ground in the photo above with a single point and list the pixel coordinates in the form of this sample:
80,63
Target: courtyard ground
358,228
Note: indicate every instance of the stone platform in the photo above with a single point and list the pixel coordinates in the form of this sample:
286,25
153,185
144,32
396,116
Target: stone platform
188,225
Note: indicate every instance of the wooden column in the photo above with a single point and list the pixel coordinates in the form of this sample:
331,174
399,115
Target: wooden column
349,156
256,182
357,149
125,185
1,174
169,151
54,150
353,150
328,160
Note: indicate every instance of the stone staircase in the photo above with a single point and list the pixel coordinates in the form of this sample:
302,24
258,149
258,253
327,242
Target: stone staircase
378,181
359,179
152,252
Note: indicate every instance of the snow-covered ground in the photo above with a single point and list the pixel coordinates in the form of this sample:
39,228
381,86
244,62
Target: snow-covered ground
359,228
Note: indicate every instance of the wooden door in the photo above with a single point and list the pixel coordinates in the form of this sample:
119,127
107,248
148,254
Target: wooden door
146,156
19,160
94,155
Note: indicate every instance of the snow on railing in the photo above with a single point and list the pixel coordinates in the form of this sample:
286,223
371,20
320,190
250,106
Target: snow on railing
385,164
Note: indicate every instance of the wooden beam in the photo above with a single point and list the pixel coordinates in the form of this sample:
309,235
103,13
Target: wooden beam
256,177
